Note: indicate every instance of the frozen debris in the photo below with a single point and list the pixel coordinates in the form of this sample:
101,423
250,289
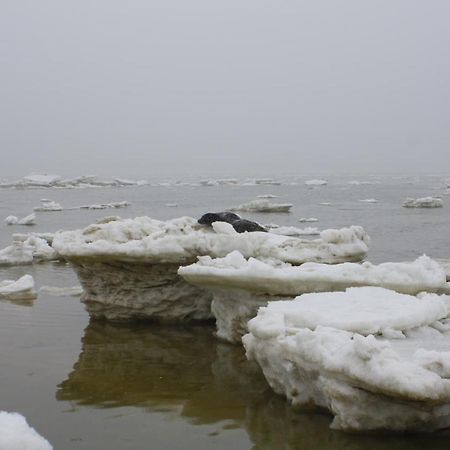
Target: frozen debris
316,182
16,434
369,200
27,220
26,249
274,277
263,206
376,359
41,180
72,291
181,240
11,220
21,289
48,205
308,219
294,231
122,204
424,202
267,196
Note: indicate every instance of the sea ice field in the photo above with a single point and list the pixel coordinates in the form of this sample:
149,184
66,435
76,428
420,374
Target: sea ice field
85,384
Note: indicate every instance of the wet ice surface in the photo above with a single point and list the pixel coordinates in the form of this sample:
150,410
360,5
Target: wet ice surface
187,390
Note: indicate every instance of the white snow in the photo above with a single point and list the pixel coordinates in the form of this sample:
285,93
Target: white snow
424,202
16,434
378,360
293,231
263,205
316,182
21,289
181,240
277,278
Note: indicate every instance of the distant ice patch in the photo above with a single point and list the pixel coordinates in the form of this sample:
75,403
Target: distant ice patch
423,202
264,206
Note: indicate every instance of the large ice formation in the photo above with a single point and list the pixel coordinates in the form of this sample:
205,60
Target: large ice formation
27,220
263,206
378,360
241,286
424,202
128,268
21,289
16,434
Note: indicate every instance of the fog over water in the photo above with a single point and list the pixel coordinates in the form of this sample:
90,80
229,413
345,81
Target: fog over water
213,87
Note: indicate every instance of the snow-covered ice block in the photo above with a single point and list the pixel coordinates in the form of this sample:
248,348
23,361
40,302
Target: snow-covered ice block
145,254
263,206
48,205
21,289
43,180
378,360
27,220
241,286
26,249
16,434
316,182
424,202
308,219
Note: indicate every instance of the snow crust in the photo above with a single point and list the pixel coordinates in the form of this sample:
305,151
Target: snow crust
181,240
263,206
21,289
378,360
424,202
277,278
16,434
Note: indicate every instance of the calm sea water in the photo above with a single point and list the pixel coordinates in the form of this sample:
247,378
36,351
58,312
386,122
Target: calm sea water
88,385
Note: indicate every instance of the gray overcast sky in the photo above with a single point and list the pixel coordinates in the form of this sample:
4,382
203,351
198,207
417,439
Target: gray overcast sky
148,87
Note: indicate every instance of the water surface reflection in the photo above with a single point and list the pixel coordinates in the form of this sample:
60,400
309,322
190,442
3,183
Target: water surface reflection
187,374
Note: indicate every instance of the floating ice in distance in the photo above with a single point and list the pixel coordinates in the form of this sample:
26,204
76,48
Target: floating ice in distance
27,220
21,289
369,200
11,220
122,204
263,205
308,219
16,434
26,249
325,204
267,196
424,202
171,205
316,182
48,205
45,180
273,277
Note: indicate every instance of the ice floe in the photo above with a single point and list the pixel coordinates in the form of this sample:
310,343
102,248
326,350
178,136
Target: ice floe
293,231
308,219
28,248
316,182
264,206
423,202
378,360
21,289
369,200
122,204
27,220
16,434
48,205
128,268
241,286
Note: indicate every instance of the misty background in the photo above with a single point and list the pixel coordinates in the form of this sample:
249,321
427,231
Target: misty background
143,88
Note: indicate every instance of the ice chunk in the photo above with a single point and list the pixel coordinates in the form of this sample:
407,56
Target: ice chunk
369,200
263,205
44,180
27,220
21,289
367,382
424,202
26,249
11,220
308,219
294,231
48,205
316,182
